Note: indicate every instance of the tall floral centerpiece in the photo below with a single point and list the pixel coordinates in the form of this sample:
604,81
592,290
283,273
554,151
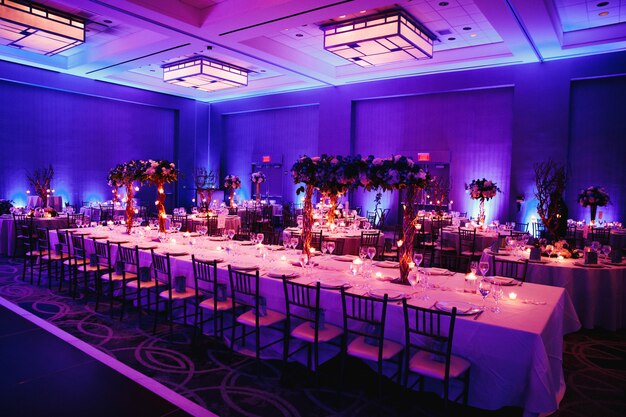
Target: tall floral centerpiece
158,173
399,173
257,179
336,175
482,190
124,175
205,184
40,180
593,197
305,171
232,182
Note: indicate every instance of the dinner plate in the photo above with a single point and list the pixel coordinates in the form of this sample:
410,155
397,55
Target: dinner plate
98,237
490,252
588,265
246,243
463,308
334,283
218,238
615,263
218,260
296,263
504,281
387,264
275,247
437,271
147,247
344,258
278,274
116,241
245,267
81,233
392,295
177,253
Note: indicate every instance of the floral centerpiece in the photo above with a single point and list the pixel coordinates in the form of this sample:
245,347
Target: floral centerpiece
205,184
482,190
305,171
398,173
124,175
336,176
40,180
593,197
257,179
5,206
232,182
159,173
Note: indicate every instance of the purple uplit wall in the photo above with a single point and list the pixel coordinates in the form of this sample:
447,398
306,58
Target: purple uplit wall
495,123
83,128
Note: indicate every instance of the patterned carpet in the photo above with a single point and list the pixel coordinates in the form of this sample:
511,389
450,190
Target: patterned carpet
234,385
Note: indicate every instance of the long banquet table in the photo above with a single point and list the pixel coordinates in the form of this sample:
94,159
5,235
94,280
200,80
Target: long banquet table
516,355
598,292
7,230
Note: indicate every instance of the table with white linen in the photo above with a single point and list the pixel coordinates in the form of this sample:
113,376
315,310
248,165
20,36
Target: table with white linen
428,221
351,239
93,212
54,201
7,230
516,355
450,236
617,239
224,221
598,293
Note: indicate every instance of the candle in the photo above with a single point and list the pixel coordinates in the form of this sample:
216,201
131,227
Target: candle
283,258
400,242
512,295
379,275
186,234
357,261
173,241
411,265
312,251
470,283
218,248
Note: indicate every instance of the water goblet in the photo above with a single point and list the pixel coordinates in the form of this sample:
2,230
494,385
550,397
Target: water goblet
294,243
417,259
596,246
371,252
231,233
606,249
324,247
260,237
331,247
423,281
497,293
483,267
474,267
484,287
363,252
413,281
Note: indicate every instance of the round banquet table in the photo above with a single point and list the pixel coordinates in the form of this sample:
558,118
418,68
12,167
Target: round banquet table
351,241
616,240
224,221
484,240
598,293
7,230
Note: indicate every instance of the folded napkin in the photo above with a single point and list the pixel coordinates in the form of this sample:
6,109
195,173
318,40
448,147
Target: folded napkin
244,267
387,264
438,271
279,274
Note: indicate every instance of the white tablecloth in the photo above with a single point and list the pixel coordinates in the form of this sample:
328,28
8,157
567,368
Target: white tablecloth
7,230
351,241
483,239
516,355
598,294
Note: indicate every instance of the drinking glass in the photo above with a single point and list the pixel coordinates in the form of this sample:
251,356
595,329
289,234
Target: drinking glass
497,294
231,233
79,223
417,259
286,242
260,237
474,267
371,252
423,281
294,243
413,281
484,287
363,252
331,247
324,247
354,270
606,249
483,268
176,226
596,246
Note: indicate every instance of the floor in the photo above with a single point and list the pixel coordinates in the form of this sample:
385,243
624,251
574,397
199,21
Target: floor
32,361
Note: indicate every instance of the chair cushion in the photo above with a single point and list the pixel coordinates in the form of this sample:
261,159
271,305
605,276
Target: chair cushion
468,253
221,305
144,284
249,318
447,249
423,363
363,350
306,332
119,277
178,295
35,253
52,257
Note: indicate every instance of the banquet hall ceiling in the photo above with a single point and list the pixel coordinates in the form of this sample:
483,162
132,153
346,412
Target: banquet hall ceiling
281,44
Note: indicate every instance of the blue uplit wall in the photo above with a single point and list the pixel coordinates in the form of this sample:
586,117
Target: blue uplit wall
495,123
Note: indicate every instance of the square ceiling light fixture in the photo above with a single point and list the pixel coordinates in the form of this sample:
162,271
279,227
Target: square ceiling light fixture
37,28
379,39
204,74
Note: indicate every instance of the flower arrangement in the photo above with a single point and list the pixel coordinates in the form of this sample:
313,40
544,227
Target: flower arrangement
232,181
258,177
482,189
593,195
5,206
394,173
162,171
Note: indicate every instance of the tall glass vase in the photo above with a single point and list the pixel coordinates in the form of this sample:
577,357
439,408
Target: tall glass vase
161,206
405,251
593,208
481,212
307,220
130,210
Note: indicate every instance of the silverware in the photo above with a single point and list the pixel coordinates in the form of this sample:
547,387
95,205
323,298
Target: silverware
478,314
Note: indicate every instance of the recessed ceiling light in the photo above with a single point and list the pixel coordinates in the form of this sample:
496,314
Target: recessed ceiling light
343,16
602,4
473,35
467,28
451,39
443,3
603,13
363,11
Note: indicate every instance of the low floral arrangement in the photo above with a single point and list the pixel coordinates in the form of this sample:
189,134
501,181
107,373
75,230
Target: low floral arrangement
5,206
482,189
50,211
232,181
161,171
258,177
593,196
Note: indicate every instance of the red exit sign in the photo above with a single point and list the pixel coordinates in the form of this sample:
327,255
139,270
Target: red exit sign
423,157
266,158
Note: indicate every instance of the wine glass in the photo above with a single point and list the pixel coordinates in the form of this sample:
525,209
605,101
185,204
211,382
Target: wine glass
497,294
331,247
231,233
371,252
260,237
417,259
176,226
363,252
413,281
286,241
606,249
483,267
474,267
354,270
484,287
294,243
79,223
595,246
324,247
423,281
